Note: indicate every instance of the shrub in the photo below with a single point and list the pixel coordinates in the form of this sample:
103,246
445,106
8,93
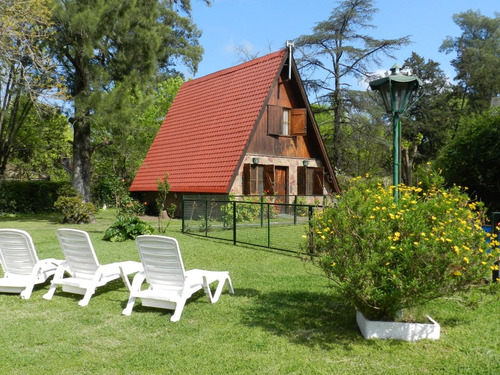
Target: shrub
385,257
127,228
163,187
130,207
74,210
28,196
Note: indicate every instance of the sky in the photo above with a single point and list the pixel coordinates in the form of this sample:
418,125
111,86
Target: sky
264,26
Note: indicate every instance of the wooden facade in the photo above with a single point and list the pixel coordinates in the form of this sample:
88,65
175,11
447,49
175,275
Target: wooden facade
285,154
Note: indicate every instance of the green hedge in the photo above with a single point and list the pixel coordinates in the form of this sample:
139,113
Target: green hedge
28,196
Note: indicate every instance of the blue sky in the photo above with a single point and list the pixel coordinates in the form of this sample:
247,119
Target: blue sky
264,26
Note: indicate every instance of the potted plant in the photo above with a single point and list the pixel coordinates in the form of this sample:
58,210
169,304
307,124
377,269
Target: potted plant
385,257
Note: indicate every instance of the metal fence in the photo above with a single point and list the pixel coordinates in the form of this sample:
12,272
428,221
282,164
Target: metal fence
266,221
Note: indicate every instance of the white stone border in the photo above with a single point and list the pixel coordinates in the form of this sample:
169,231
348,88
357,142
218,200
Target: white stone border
398,331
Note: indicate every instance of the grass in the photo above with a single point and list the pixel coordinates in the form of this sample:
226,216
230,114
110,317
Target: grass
283,319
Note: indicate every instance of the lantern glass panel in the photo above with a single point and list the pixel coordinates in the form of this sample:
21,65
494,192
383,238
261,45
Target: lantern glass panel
401,93
386,95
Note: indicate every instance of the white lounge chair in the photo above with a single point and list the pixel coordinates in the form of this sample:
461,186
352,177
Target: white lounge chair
20,263
169,284
82,264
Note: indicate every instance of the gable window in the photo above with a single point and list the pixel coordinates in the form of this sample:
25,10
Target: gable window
258,179
286,121
310,181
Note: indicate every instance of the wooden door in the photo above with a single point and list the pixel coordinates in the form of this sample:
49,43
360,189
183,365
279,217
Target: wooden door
281,183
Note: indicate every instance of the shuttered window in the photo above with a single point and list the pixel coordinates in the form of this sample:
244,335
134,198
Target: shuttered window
310,181
298,121
268,179
286,121
274,116
318,181
258,179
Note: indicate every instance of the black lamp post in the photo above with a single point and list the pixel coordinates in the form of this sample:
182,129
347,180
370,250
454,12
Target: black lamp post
397,91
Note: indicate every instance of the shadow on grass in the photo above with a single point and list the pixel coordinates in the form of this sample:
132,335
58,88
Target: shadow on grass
101,290
50,218
311,319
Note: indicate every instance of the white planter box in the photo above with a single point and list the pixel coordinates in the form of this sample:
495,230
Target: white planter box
396,330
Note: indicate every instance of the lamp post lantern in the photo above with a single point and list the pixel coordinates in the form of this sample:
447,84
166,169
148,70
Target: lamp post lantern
397,91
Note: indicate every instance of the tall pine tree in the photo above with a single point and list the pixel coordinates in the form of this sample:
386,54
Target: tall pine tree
102,43
338,48
477,60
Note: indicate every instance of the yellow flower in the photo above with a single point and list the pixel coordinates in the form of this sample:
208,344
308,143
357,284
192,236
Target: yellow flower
456,249
466,260
333,264
457,273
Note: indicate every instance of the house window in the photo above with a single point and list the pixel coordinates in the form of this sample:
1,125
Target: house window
286,121
258,179
310,181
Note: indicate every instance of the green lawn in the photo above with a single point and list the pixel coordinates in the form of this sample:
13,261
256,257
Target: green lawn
283,319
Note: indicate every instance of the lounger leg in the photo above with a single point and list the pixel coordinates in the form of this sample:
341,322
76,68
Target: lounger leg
127,311
26,293
86,298
51,291
136,286
220,286
125,279
58,275
179,306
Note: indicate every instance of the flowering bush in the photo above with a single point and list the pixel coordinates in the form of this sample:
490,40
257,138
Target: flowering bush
385,256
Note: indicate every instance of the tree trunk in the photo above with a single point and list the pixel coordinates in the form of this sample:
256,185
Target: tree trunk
407,157
81,128
81,157
337,121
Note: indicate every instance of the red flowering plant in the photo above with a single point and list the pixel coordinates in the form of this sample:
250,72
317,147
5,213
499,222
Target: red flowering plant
384,257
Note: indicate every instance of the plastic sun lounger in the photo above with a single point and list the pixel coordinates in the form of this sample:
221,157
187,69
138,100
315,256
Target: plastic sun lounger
169,284
22,268
86,274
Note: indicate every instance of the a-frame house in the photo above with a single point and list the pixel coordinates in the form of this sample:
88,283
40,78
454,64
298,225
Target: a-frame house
246,130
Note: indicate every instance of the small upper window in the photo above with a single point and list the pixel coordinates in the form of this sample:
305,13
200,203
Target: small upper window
285,122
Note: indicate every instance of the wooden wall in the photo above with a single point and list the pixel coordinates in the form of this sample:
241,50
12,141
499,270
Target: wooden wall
284,94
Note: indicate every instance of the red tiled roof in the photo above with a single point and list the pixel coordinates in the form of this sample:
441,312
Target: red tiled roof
207,128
